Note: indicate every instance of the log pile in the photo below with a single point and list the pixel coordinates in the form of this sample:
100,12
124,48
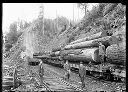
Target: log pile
94,36
91,43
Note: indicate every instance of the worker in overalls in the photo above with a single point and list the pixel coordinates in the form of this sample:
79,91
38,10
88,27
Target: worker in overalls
41,72
82,73
101,56
67,69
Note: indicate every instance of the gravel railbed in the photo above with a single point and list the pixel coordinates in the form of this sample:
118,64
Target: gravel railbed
91,84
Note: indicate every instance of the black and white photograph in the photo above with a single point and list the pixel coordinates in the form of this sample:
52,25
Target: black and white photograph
63,47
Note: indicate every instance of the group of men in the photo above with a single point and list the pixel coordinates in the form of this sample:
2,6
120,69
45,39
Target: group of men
82,72
82,68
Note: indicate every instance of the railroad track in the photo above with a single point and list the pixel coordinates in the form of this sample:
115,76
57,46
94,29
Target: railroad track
8,85
105,82
72,86
101,79
46,86
93,77
43,88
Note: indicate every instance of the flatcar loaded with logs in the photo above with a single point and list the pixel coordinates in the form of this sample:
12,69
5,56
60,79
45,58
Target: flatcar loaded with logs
87,51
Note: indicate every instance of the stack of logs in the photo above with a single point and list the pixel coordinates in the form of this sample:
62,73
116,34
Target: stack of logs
86,49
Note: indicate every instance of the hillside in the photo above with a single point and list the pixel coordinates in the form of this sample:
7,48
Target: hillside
109,21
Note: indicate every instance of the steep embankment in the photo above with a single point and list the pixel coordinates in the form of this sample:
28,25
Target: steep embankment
34,40
108,21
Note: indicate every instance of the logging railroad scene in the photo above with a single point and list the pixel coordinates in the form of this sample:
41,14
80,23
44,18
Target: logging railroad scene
64,47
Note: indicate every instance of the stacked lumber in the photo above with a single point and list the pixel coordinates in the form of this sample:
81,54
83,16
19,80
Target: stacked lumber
7,83
91,43
116,54
94,36
86,55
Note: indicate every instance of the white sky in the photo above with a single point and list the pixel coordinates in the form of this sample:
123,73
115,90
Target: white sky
29,11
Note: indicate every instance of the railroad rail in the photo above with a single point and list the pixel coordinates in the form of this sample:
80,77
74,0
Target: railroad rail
60,79
107,82
8,84
46,86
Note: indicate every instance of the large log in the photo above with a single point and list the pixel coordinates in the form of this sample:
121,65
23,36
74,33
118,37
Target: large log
94,36
42,57
56,49
87,55
55,53
71,51
116,54
54,58
91,43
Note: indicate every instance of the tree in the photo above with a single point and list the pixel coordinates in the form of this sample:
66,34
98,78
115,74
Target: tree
22,25
8,46
12,35
26,24
109,7
13,27
62,22
41,17
83,6
97,12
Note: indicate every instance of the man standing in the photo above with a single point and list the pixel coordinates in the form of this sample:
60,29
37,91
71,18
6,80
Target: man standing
101,55
67,68
82,73
41,72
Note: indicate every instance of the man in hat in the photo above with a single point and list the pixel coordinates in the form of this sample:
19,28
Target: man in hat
67,68
41,72
101,54
82,73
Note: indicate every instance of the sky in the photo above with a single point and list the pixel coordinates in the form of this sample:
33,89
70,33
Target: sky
30,11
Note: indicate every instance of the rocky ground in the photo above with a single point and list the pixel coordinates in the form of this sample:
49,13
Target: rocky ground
91,84
53,77
54,80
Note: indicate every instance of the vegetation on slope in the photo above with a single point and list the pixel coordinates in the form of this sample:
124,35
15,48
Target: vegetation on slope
105,17
108,17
